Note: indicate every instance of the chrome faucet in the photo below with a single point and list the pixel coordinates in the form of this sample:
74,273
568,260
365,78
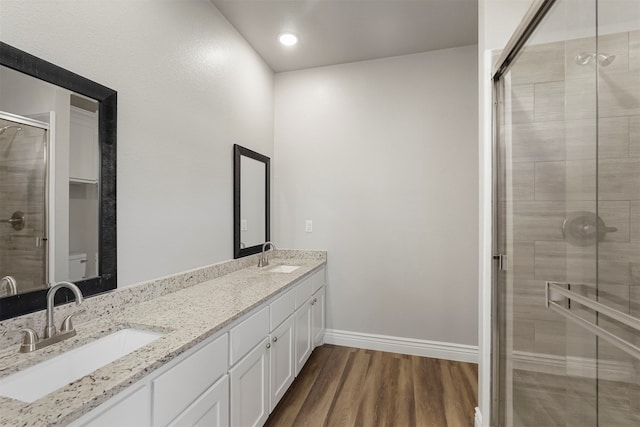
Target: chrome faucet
12,284
50,329
264,258
31,341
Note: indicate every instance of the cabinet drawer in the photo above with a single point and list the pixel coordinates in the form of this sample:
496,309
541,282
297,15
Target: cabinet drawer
282,308
303,291
247,334
317,280
177,388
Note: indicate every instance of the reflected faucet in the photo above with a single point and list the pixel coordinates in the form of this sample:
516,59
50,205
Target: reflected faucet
264,258
11,284
50,329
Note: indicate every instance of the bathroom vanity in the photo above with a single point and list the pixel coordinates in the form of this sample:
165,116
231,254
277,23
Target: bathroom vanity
231,347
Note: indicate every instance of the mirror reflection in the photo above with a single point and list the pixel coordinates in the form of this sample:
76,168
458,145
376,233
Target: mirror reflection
49,184
251,201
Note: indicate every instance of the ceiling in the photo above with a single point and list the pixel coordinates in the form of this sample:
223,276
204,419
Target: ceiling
339,31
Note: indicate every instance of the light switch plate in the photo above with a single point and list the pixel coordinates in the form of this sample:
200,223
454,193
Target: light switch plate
308,226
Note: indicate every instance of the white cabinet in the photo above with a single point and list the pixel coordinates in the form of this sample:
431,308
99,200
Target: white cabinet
282,361
317,317
250,387
233,379
209,410
180,386
303,345
83,146
128,409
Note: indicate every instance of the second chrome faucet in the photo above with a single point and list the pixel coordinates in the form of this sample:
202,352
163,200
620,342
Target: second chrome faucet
264,258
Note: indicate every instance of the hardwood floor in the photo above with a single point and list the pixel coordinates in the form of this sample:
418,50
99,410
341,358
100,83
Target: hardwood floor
343,386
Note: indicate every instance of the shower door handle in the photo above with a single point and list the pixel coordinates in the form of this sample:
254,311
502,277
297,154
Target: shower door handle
503,261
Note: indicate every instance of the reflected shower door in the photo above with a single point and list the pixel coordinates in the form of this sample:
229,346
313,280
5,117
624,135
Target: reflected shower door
23,183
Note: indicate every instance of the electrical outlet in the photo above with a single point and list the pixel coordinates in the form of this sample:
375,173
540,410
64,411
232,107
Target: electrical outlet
308,226
243,225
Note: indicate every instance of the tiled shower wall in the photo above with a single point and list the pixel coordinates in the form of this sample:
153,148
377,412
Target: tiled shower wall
22,186
556,159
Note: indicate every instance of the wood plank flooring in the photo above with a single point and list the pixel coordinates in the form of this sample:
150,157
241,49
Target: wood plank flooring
344,386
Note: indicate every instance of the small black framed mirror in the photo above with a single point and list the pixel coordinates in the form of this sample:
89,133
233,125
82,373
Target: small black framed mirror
102,101
251,195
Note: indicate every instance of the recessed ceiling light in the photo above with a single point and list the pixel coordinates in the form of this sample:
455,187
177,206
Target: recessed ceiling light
288,39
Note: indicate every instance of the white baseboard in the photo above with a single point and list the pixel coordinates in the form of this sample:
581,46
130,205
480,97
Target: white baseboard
478,418
414,347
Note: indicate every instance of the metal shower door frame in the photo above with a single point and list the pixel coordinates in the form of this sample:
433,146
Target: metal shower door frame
47,179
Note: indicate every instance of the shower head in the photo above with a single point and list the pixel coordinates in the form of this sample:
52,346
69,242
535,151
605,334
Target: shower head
583,58
5,128
605,60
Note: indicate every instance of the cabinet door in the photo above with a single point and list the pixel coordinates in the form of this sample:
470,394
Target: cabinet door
209,410
282,361
250,387
83,146
192,377
303,335
317,318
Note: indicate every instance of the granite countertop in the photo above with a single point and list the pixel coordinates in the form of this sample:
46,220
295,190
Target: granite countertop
187,317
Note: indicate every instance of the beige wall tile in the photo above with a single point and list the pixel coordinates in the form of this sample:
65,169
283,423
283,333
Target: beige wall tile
619,94
543,141
613,137
634,50
619,179
520,255
520,175
550,336
536,220
550,261
522,103
580,98
523,335
571,180
634,221
634,136
539,63
549,101
529,301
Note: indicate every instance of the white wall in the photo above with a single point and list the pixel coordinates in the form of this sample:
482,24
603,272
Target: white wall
188,88
382,156
497,20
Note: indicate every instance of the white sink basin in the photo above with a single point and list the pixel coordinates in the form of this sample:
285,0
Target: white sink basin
39,380
284,269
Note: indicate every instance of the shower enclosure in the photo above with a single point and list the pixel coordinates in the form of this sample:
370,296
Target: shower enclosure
566,344
23,215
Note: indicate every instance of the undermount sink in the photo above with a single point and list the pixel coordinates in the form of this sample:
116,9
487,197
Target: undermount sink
39,380
284,269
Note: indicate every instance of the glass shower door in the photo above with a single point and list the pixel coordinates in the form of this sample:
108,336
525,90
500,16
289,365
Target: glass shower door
23,184
618,187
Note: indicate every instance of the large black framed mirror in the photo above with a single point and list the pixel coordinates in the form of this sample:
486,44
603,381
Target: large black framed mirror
85,95
251,195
